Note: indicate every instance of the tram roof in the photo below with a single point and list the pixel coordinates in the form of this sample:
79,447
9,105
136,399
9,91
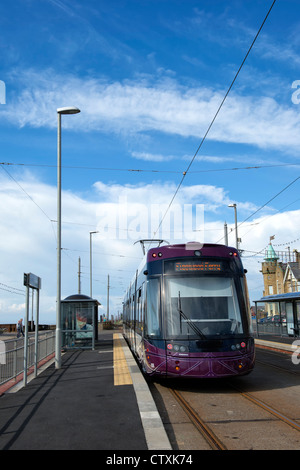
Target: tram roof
188,249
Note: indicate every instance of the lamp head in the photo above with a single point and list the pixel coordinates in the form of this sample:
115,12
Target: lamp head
68,110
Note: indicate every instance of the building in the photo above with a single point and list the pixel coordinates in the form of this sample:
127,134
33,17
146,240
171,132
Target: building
280,304
281,271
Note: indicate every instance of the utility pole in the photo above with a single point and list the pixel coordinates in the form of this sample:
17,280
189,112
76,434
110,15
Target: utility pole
108,297
226,234
79,280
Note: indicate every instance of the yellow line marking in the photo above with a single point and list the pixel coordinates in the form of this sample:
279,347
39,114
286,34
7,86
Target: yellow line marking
121,372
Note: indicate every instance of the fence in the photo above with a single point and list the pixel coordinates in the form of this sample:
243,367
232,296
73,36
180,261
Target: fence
12,355
272,327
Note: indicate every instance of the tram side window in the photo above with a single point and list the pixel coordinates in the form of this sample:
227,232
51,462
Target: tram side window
247,302
138,324
131,321
126,312
152,324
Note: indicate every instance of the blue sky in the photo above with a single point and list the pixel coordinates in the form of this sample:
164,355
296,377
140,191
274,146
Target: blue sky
148,77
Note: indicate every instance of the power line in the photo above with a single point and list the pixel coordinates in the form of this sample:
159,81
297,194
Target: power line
28,195
215,116
264,205
9,289
272,215
101,253
143,170
270,200
90,168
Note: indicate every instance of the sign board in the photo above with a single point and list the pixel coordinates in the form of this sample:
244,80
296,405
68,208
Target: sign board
33,281
198,266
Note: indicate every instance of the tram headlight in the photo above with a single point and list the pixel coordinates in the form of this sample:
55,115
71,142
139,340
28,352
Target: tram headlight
238,346
177,347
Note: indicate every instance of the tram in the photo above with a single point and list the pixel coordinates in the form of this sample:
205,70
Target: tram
186,313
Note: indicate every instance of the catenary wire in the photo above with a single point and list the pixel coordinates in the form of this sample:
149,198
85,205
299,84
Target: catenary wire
215,117
264,205
143,170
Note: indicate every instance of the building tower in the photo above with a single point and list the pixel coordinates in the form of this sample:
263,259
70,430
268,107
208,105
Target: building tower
271,271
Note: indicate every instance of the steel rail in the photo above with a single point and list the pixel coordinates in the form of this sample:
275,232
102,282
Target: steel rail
282,369
268,408
204,430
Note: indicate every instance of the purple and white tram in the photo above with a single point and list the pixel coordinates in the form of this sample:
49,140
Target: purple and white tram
186,313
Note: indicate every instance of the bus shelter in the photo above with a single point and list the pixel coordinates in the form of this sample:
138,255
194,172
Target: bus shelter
278,314
79,317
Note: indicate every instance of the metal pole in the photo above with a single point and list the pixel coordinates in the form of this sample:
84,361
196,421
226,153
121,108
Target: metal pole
91,276
79,273
58,338
36,333
107,297
91,264
31,324
58,295
236,230
26,338
225,234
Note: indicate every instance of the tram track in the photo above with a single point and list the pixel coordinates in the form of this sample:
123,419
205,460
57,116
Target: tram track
214,442
270,409
217,442
274,366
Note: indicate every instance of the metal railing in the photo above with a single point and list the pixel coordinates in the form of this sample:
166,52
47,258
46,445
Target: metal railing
12,354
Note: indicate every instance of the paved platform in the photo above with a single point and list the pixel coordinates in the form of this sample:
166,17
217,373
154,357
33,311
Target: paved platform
97,400
279,343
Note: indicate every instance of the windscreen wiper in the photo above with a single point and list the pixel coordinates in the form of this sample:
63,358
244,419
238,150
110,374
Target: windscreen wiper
188,320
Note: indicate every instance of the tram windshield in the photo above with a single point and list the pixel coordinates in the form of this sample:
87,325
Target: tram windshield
201,306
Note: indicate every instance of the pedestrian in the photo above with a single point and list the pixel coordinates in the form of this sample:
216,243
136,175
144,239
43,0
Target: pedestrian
20,328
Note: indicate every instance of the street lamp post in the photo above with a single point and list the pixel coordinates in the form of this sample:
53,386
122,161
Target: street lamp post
60,111
235,221
91,264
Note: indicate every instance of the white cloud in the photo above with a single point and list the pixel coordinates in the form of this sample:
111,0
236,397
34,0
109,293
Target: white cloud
149,157
28,237
165,106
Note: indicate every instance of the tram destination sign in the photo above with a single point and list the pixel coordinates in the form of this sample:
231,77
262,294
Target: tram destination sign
184,266
193,266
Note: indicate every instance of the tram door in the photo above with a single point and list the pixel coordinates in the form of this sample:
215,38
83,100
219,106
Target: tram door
289,318
139,313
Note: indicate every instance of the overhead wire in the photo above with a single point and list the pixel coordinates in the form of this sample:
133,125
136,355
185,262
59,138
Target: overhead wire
28,195
11,289
32,200
143,170
268,217
215,117
184,174
266,203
